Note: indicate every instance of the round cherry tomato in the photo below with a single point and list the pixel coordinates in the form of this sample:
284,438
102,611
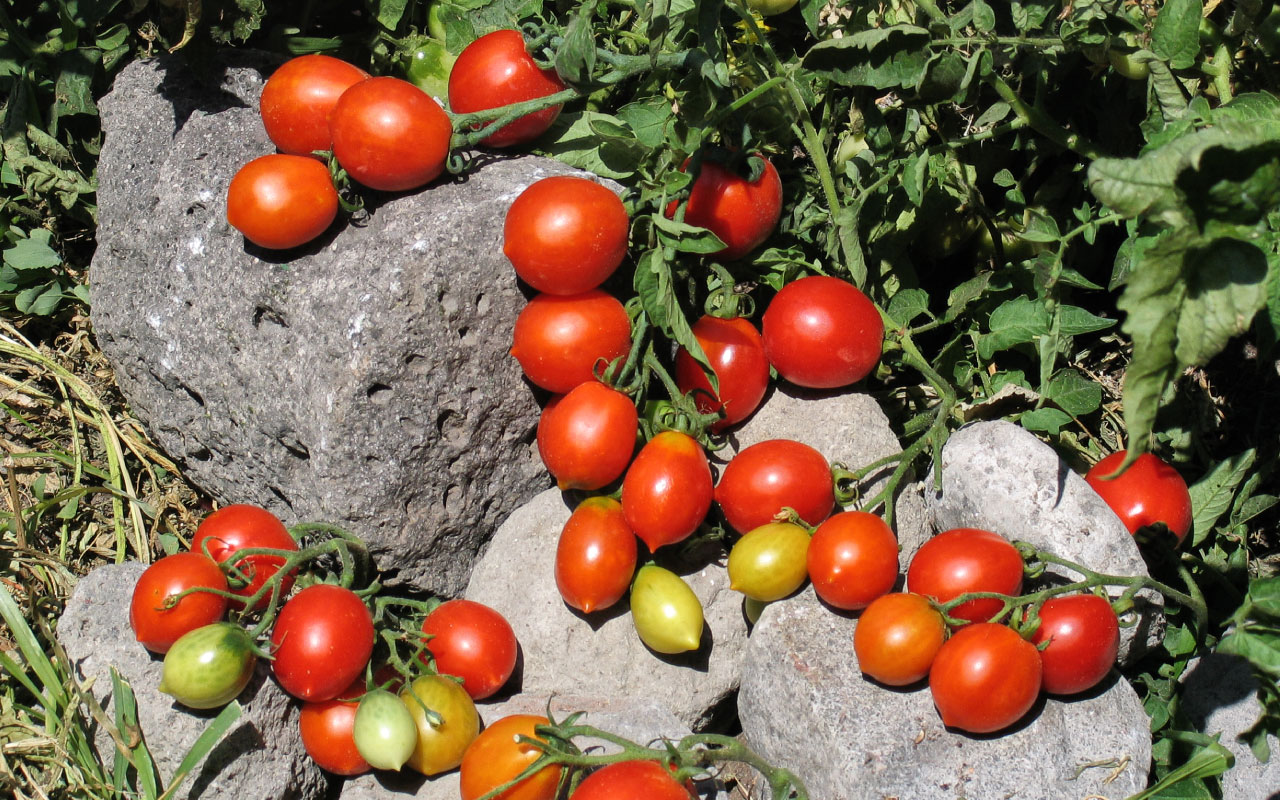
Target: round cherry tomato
768,562
428,67
631,780
559,338
440,746
327,729
238,527
667,490
596,555
666,612
964,560
853,559
586,437
281,201
897,637
768,476
496,70
209,666
323,639
384,731
1084,638
736,352
473,642
1148,492
390,135
565,234
298,100
496,757
741,212
985,678
822,333
156,624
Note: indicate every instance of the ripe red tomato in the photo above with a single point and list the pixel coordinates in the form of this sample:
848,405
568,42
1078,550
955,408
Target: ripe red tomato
853,559
496,70
586,437
768,476
736,352
327,728
281,201
298,100
558,339
966,560
741,212
566,234
631,780
390,135
985,677
822,333
322,641
237,527
667,490
496,756
471,641
1084,638
596,555
1149,492
897,637
158,627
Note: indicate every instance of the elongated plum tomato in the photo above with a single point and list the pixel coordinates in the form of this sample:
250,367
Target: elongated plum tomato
742,212
238,527
1148,492
964,560
497,756
667,490
327,730
384,730
897,637
586,438
299,98
768,562
281,201
665,611
390,135
596,555
736,352
323,639
985,678
631,780
559,338
1084,639
565,234
496,70
822,333
771,475
853,559
155,623
209,666
441,742
472,641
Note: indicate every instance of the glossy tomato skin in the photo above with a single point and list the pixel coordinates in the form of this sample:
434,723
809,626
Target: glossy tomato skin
327,729
565,234
158,627
985,678
853,559
667,491
666,613
209,666
471,641
897,638
299,98
237,527
390,135
742,213
559,338
586,438
595,556
1148,492
496,70
281,201
736,352
822,333
631,780
440,747
496,757
965,560
768,476
768,562
1084,639
385,732
322,641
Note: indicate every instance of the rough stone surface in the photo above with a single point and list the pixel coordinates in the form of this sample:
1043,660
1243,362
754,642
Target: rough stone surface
261,756
1220,696
362,380
804,705
999,477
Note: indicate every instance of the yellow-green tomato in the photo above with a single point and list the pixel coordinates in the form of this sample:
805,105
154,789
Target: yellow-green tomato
666,612
209,666
768,562
443,736
384,730
767,8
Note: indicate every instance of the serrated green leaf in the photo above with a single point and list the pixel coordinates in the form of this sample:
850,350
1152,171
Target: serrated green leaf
1211,496
576,58
573,141
1262,649
1175,36
908,304
1048,420
1013,322
648,120
32,252
1074,393
1225,289
964,294
39,300
1264,597
1251,107
984,16
1004,179
1073,321
390,12
685,237
913,177
1041,228
882,58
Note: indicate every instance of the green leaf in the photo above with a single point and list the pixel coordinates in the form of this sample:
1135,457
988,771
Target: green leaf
1041,228
654,283
1014,322
1074,393
390,12
576,58
882,58
1251,107
648,120
984,16
32,252
1264,596
964,294
1049,420
573,141
1225,289
1261,648
1211,495
1073,321
39,300
685,237
908,304
1175,37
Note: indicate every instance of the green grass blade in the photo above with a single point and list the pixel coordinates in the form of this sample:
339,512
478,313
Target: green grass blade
205,743
126,707
34,654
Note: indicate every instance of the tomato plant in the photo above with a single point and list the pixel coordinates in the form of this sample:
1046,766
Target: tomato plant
897,637
322,641
428,65
667,490
852,559
298,100
771,475
281,201
964,560
742,212
768,562
238,527
209,666
822,333
565,234
471,641
631,780
586,438
769,8
496,757
985,678
596,555
441,741
560,338
1149,492
384,730
155,623
496,70
328,727
1083,638
736,352
666,613
390,135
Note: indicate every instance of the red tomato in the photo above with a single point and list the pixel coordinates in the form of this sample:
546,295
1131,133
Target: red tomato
736,352
496,70
768,476
741,212
985,678
322,641
586,437
298,100
853,559
822,333
565,234
327,728
631,780
390,135
559,339
473,642
667,491
1149,492
966,560
897,637
158,627
237,527
1084,638
496,757
281,201
596,555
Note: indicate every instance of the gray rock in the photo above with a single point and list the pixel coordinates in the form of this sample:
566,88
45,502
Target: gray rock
260,756
805,706
1220,696
999,477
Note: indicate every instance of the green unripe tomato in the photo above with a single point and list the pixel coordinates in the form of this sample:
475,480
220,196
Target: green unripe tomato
1128,66
384,731
428,67
666,612
769,562
767,8
209,666
849,147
